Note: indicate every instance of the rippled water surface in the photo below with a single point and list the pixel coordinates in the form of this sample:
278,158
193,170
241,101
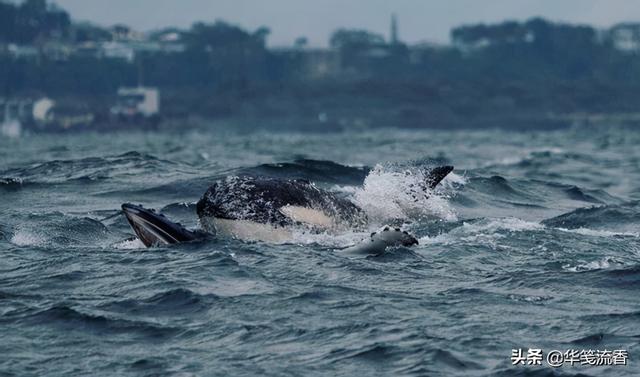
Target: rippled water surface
533,242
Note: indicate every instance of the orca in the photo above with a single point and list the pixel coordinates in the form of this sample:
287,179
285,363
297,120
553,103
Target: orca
267,209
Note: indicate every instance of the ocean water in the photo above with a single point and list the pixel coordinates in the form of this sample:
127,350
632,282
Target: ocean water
531,243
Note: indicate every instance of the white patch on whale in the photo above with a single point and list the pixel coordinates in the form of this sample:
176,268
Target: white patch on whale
308,216
247,230
255,231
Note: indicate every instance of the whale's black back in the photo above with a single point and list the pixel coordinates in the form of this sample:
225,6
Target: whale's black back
260,199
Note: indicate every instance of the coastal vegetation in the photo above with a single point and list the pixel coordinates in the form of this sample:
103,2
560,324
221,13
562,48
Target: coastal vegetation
534,73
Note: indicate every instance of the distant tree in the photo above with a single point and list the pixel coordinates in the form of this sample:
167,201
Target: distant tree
469,35
121,32
353,45
355,39
86,32
261,35
31,20
8,17
481,34
225,53
223,35
301,42
34,8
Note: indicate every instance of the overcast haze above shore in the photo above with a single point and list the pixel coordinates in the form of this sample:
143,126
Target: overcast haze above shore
419,20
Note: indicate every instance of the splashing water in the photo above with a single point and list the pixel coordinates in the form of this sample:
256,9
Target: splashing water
388,195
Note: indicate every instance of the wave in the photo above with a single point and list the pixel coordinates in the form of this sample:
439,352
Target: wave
601,338
171,302
396,254
498,185
496,195
619,316
87,170
599,264
509,224
11,182
599,233
451,360
63,315
619,218
533,191
57,229
616,274
540,157
129,244
327,172
168,189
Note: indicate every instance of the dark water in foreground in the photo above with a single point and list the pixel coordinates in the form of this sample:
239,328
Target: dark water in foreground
533,243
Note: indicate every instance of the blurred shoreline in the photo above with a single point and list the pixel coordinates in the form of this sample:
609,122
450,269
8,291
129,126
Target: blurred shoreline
60,74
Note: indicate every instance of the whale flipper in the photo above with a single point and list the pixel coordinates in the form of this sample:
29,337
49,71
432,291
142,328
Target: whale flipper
154,229
379,241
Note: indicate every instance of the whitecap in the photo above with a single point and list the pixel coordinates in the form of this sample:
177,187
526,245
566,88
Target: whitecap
598,233
130,244
511,224
23,237
601,264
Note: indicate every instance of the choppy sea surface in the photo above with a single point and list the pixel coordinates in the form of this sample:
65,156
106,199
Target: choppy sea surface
533,242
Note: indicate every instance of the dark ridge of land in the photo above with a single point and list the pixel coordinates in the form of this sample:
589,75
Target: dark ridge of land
522,75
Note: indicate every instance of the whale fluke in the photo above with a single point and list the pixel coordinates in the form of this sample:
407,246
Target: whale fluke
154,229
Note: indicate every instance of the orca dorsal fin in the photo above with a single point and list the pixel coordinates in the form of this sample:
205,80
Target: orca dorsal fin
436,175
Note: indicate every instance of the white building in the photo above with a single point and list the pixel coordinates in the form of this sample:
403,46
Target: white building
626,36
139,101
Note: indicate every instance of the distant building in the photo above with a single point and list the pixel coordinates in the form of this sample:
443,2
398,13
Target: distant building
89,49
319,63
311,63
626,36
57,51
394,30
10,123
170,36
16,109
70,115
123,33
117,50
139,102
419,51
18,112
21,51
128,51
